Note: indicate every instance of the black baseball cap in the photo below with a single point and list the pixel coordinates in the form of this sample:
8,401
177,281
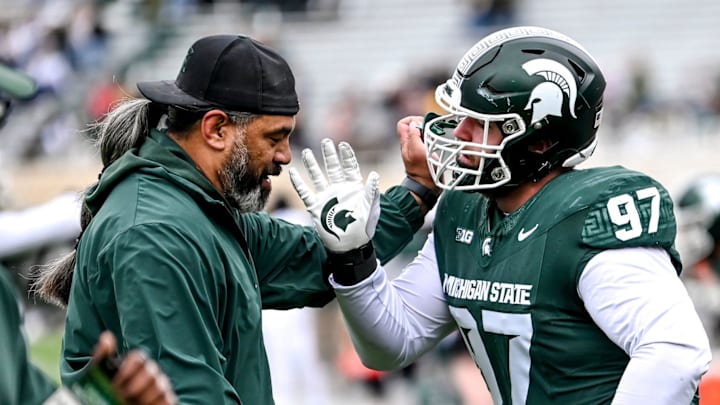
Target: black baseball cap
232,72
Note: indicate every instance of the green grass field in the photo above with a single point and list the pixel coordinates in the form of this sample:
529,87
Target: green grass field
45,353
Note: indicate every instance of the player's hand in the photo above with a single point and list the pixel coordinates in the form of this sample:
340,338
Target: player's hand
412,150
138,380
345,210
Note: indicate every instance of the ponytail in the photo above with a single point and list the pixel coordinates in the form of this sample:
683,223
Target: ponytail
52,281
122,129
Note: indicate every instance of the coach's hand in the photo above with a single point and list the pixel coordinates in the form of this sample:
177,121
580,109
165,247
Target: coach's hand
345,210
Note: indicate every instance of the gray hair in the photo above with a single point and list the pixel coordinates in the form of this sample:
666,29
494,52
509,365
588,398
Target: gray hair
124,128
242,119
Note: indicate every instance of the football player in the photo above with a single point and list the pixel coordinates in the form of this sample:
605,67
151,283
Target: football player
563,282
699,216
698,242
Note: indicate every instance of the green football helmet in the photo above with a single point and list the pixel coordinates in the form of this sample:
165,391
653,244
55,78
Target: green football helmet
698,218
538,86
699,204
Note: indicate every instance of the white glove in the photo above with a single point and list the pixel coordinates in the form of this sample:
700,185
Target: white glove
345,211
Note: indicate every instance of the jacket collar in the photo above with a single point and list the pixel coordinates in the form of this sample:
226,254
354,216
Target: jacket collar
162,157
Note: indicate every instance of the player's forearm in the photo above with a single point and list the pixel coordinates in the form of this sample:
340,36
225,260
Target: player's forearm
375,322
53,222
662,373
388,331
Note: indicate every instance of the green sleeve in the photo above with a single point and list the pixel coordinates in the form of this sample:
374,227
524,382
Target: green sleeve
20,381
400,218
289,258
167,297
632,210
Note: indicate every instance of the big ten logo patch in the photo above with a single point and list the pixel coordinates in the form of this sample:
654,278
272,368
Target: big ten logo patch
464,235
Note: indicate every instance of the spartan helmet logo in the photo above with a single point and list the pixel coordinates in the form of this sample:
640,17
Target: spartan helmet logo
547,97
486,247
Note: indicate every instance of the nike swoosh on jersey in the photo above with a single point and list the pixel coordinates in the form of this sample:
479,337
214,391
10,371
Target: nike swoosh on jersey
523,234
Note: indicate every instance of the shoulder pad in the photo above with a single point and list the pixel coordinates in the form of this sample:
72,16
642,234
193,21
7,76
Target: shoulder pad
630,209
627,209
623,208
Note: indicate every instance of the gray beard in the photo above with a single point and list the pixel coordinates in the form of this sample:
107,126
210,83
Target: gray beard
251,201
241,189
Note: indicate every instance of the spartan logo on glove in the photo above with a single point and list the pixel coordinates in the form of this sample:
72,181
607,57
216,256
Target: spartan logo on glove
333,219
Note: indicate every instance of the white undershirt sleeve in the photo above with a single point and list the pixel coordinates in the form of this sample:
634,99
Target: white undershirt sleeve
635,296
54,221
392,323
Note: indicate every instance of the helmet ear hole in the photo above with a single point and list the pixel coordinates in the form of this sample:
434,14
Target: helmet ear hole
541,146
511,126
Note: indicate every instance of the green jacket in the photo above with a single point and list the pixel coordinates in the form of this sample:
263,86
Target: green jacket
168,266
21,383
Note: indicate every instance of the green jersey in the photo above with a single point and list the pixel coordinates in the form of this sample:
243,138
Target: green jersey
511,281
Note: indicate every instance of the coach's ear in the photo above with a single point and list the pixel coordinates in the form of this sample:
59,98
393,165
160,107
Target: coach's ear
217,130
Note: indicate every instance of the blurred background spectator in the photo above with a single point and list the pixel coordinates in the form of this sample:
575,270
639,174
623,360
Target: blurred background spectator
360,66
